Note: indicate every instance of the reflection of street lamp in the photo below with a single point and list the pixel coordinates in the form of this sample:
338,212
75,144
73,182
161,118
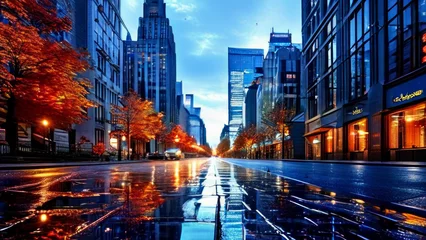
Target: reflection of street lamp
45,123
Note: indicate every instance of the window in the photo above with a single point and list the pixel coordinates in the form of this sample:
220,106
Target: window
331,87
359,61
358,136
400,37
100,114
313,102
100,90
407,127
99,136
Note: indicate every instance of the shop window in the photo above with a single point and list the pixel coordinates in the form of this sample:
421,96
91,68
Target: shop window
407,127
329,142
358,136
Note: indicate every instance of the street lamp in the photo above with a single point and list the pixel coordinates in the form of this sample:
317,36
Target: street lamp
45,123
177,139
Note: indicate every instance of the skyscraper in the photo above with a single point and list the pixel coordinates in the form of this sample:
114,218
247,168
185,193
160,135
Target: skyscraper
242,64
150,61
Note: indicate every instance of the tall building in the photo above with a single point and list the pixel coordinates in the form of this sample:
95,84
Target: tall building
242,64
182,112
363,65
253,104
97,28
150,61
225,132
196,127
281,67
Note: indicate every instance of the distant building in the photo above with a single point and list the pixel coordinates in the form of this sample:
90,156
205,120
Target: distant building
197,128
242,64
225,132
150,61
182,112
253,106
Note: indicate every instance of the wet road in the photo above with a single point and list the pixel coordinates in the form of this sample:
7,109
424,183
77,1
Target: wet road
189,199
405,185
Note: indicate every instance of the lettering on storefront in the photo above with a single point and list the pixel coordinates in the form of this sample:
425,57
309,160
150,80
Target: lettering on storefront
357,111
408,96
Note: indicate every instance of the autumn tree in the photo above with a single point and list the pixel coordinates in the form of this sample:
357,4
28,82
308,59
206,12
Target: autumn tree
181,139
39,75
223,146
278,120
137,117
245,139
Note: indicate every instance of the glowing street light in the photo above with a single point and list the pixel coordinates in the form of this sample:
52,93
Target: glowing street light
177,139
45,122
43,217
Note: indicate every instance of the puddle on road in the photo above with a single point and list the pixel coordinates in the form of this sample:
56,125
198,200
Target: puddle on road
177,200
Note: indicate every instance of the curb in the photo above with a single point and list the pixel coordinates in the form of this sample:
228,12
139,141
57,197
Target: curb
383,163
29,166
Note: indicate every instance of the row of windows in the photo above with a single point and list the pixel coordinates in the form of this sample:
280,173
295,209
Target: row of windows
405,18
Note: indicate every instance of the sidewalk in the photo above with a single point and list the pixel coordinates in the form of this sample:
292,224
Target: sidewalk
23,165
356,162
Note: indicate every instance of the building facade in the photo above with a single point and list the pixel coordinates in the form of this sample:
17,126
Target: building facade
253,106
242,64
196,127
98,30
363,66
150,61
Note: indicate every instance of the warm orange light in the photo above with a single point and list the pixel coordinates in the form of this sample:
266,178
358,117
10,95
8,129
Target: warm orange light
123,138
43,217
45,122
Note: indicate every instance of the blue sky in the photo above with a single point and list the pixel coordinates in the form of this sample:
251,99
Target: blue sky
204,29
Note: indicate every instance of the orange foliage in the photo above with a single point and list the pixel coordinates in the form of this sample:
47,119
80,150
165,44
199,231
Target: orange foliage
178,137
39,75
138,117
99,149
245,139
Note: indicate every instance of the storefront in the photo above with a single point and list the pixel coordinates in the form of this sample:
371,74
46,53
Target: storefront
320,143
358,139
405,121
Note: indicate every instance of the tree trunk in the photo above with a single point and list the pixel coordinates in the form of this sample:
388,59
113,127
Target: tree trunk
12,125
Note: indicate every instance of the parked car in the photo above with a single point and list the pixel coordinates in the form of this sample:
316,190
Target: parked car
155,156
174,153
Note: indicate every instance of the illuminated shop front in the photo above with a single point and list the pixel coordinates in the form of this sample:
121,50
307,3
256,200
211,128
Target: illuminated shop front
406,133
358,139
405,121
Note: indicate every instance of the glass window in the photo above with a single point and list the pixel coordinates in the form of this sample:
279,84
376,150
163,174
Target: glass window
352,32
358,136
422,15
367,72
407,127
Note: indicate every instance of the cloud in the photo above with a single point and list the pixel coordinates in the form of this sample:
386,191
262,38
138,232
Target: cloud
204,42
181,7
132,4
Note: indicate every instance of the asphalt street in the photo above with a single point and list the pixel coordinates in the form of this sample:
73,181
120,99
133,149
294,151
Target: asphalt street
207,199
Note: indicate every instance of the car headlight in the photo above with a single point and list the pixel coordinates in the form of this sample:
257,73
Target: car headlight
167,154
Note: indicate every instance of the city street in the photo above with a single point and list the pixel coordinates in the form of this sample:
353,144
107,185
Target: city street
179,200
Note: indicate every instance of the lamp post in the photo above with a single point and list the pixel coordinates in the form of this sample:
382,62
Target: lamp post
45,123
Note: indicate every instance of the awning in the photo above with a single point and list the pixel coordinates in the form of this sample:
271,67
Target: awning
318,131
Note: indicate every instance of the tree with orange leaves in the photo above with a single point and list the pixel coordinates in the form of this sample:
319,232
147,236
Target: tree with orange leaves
245,139
39,75
178,137
137,117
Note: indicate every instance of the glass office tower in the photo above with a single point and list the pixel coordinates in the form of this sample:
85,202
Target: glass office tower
242,64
